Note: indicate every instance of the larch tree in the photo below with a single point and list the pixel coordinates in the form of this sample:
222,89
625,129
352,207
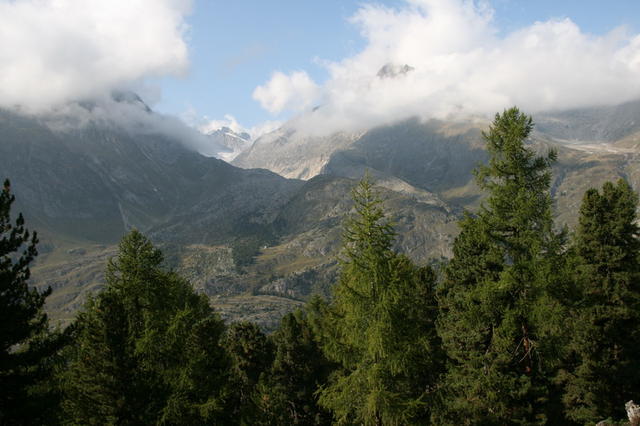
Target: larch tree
379,327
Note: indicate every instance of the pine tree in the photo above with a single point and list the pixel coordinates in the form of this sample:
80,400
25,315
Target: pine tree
379,327
27,347
147,349
500,322
288,391
606,338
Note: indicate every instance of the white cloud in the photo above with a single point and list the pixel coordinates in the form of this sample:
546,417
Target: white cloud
264,128
293,92
462,67
228,121
128,114
56,51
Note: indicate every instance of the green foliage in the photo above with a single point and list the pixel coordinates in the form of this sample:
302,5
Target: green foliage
146,349
245,250
604,372
500,322
249,240
27,347
380,326
251,355
288,391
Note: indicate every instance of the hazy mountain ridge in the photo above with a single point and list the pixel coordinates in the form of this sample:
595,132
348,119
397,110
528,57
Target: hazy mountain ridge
597,124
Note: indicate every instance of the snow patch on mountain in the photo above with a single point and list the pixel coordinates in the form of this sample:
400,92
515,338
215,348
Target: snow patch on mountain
232,143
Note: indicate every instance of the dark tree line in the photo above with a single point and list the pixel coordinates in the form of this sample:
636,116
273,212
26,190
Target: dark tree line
525,325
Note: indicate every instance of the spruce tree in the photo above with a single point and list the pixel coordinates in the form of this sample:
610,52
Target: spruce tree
27,347
500,320
605,339
379,327
251,355
288,392
147,349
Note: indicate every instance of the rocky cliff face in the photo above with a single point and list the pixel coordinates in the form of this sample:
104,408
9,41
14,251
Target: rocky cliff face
293,154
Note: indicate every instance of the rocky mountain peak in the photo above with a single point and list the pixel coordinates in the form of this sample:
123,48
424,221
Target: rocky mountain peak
390,70
234,143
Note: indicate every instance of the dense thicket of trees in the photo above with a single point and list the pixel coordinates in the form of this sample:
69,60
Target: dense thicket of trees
524,325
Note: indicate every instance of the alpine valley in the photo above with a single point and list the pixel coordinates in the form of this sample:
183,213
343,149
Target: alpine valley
259,236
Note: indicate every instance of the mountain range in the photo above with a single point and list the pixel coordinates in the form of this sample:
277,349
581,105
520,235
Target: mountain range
260,235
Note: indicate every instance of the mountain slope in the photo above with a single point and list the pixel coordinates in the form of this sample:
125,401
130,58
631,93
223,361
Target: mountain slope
594,145
241,236
596,124
96,181
292,154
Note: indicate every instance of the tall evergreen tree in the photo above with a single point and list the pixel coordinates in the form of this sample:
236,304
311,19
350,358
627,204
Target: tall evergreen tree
499,318
288,391
380,326
605,340
251,355
146,349
27,347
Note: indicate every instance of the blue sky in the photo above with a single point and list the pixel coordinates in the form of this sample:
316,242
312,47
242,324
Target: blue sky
236,46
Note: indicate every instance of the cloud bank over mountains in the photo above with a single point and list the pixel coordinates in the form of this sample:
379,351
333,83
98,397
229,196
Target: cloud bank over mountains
446,59
72,61
59,56
56,51
207,125
442,59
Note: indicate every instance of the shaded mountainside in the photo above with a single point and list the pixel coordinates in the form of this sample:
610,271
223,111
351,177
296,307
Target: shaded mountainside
255,242
94,182
432,156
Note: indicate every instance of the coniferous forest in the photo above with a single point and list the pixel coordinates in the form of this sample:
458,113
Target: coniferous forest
526,324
